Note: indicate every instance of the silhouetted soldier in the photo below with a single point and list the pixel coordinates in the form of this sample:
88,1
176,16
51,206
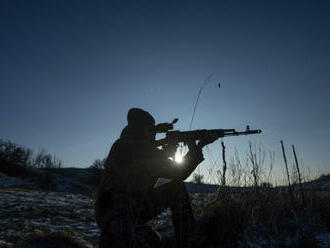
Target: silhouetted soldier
127,197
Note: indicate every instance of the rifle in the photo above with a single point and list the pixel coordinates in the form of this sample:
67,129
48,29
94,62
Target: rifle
173,138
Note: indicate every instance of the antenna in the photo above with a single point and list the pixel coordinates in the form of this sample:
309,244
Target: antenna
206,81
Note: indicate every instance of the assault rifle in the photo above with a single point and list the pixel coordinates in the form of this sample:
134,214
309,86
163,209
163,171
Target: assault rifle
174,137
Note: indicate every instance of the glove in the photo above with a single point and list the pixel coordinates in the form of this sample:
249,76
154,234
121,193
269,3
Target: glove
195,152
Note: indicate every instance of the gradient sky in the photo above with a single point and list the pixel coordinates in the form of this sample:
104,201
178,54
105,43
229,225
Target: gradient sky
70,70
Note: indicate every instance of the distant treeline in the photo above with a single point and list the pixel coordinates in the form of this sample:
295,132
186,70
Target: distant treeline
17,155
12,154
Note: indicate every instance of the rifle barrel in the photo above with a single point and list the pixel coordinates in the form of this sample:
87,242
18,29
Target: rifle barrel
243,132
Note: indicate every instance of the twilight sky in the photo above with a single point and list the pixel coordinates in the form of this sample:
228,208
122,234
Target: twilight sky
70,70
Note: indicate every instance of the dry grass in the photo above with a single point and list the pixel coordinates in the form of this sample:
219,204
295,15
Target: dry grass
268,219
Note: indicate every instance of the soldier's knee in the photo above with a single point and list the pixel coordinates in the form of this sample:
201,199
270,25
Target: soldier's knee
147,237
104,241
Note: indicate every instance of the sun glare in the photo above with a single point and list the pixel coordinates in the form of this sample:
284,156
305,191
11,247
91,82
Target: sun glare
178,158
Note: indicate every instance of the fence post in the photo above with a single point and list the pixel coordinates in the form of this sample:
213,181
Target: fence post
224,164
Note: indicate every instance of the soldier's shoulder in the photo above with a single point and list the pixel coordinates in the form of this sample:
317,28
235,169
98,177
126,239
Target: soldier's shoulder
133,142
126,144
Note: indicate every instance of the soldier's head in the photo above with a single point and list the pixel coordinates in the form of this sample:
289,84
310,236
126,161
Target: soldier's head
141,121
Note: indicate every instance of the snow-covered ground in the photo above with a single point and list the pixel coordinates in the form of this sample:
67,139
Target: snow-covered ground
24,212
28,211
6,182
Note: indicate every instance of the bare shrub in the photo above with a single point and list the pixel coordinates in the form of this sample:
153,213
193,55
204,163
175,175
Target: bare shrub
252,170
45,160
96,171
256,158
198,178
265,219
236,171
11,153
98,164
14,159
266,185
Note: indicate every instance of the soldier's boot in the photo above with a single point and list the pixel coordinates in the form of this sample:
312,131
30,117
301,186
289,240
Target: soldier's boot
111,240
104,241
146,237
143,236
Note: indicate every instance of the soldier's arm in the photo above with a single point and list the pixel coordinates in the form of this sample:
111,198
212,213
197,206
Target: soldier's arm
183,170
193,158
157,163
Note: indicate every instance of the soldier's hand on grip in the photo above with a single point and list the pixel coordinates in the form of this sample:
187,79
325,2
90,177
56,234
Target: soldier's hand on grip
196,152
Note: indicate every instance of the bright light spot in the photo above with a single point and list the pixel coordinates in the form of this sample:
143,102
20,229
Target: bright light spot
178,158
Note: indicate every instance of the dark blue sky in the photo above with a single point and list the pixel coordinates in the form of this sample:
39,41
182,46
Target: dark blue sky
70,70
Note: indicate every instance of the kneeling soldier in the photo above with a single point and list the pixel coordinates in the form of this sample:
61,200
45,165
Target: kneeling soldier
127,196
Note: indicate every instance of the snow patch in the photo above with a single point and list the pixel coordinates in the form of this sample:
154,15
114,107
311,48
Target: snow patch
6,182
